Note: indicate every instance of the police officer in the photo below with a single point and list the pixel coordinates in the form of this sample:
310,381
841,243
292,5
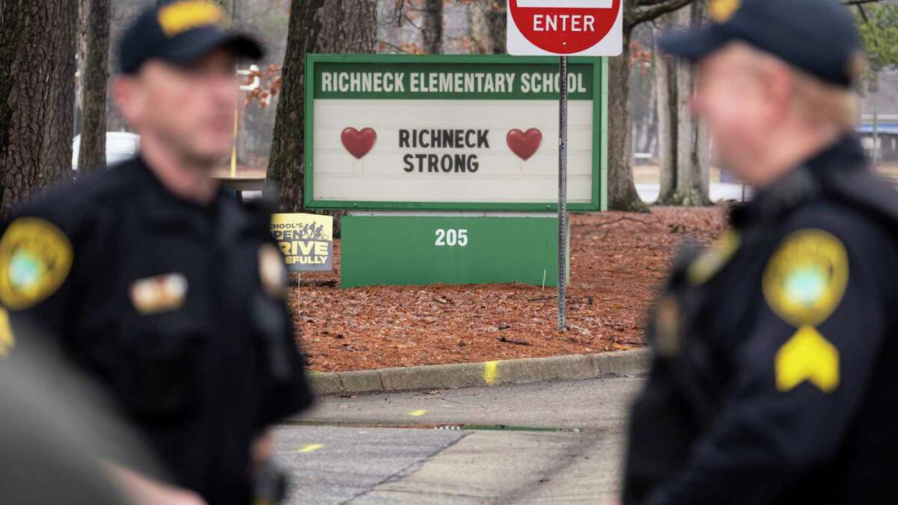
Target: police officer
776,350
162,287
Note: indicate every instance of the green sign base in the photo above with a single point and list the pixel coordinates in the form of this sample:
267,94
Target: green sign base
449,249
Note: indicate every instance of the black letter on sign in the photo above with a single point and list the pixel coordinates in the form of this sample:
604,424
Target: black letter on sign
482,139
446,163
403,138
460,160
408,163
469,143
421,158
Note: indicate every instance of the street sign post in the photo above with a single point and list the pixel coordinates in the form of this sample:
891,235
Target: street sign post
564,28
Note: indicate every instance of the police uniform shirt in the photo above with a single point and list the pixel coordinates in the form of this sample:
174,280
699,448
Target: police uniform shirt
776,372
177,308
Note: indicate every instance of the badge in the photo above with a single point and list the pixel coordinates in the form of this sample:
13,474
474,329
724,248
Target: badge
272,272
806,278
807,356
35,260
723,10
712,261
7,339
159,294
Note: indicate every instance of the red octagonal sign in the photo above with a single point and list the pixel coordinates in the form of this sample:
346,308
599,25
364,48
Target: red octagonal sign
565,27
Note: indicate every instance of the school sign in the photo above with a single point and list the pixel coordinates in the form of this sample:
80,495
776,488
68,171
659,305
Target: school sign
449,164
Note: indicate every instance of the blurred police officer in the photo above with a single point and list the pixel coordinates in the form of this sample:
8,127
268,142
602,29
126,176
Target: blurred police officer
58,432
156,282
776,350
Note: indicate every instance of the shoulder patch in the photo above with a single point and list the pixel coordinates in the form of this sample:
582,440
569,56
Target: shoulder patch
35,259
712,261
805,279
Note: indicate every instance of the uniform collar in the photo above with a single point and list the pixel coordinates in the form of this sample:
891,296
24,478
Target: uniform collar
163,207
771,204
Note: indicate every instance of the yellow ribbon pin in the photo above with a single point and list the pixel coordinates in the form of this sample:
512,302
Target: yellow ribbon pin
807,356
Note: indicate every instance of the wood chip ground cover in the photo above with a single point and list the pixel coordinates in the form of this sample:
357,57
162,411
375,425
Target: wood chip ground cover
618,262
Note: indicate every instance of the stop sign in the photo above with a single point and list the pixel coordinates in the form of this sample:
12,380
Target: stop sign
565,27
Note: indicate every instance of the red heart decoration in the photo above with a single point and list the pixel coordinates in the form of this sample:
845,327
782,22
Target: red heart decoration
524,144
358,143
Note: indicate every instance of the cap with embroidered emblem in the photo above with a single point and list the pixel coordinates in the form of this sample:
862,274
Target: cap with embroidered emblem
181,32
816,36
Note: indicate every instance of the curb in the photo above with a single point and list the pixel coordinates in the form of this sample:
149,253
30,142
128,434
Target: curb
492,373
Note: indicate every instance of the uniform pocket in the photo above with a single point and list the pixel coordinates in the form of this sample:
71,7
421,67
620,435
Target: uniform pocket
162,373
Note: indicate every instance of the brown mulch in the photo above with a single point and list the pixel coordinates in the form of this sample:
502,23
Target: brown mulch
617,262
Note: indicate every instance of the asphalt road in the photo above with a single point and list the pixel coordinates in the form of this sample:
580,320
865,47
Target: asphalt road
548,443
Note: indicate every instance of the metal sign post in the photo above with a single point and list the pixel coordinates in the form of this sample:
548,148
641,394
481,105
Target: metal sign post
562,193
564,28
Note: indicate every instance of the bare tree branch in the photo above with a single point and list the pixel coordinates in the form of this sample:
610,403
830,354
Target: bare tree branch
657,9
394,47
648,10
648,3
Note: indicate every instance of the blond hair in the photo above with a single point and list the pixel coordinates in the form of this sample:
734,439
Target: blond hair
818,103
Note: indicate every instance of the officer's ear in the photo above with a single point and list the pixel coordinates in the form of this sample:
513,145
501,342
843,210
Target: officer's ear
129,98
778,84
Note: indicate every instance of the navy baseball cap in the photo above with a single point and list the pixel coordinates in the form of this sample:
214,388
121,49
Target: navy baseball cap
817,36
181,32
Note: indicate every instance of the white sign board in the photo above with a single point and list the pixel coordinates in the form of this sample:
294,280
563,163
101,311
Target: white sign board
470,133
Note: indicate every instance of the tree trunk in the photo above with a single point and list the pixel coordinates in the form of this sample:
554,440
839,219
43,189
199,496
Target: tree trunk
340,26
665,91
94,76
285,167
498,20
347,26
432,27
695,175
622,193
481,33
684,159
37,91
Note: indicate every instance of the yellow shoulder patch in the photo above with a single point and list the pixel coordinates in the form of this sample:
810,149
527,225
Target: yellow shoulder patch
807,356
35,259
806,278
185,15
7,339
710,262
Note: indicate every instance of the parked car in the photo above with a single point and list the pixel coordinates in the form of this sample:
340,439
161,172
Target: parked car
120,146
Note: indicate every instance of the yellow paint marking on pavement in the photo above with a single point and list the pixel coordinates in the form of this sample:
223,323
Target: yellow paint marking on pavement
306,449
490,372
417,413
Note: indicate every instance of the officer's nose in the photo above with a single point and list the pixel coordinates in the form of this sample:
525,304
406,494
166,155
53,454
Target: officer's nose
223,88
